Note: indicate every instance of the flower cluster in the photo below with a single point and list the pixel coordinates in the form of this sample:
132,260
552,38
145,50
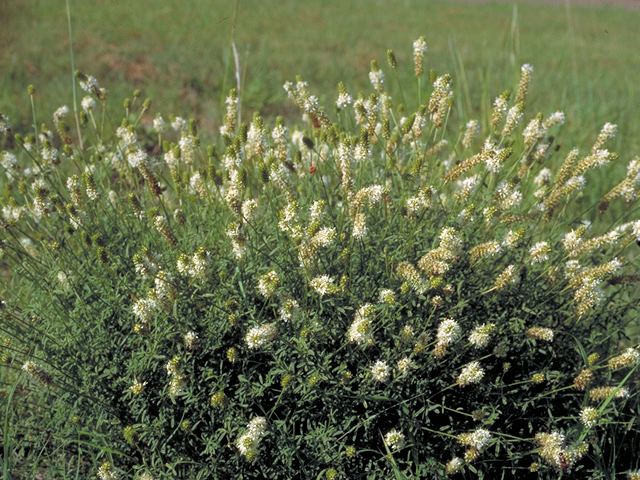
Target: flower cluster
249,442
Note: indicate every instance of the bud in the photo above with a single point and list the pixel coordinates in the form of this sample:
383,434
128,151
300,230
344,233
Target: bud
391,59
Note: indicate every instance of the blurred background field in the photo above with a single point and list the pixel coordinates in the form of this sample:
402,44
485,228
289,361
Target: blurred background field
178,53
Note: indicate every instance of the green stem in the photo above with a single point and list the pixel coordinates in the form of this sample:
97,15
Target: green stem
35,122
73,74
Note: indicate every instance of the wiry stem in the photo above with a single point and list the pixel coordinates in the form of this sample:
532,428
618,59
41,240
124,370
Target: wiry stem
73,76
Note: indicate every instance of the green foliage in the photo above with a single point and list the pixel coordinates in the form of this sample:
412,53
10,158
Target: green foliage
380,293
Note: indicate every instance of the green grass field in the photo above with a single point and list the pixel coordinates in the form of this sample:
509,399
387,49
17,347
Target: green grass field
179,54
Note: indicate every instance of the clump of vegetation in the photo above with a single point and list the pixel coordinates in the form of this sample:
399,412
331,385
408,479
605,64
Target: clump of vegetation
379,293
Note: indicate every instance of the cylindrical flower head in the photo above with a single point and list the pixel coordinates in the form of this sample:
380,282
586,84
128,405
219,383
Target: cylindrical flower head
268,283
376,77
540,333
526,71
380,371
471,373
419,49
481,335
472,129
394,440
261,336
